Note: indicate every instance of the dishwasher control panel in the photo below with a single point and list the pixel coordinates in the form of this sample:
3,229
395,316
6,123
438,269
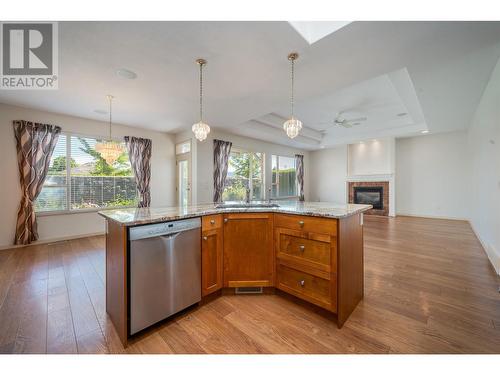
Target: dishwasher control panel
162,229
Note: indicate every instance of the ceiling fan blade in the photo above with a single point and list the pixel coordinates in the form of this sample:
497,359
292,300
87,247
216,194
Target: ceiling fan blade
358,119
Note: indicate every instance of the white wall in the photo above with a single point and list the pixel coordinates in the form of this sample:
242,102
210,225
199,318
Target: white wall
432,176
78,224
371,157
328,173
484,154
203,161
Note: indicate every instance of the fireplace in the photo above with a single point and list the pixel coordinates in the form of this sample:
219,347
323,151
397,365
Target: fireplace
373,195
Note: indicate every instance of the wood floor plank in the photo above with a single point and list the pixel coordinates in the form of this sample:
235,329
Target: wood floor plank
429,288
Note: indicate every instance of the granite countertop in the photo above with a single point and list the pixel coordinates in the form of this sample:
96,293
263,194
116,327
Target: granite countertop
139,216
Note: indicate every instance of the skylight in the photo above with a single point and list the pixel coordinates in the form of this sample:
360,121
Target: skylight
312,31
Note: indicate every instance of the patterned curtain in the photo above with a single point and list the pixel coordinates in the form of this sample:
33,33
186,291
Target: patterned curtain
139,152
221,160
299,166
35,144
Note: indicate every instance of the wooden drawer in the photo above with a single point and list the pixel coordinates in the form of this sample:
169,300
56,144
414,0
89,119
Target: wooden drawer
306,223
304,249
211,222
307,286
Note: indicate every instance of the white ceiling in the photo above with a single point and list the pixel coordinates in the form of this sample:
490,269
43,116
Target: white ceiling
435,70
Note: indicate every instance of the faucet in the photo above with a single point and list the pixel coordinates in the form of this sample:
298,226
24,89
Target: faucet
248,195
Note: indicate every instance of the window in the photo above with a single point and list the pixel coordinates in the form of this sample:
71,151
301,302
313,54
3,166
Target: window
183,148
284,183
245,170
79,178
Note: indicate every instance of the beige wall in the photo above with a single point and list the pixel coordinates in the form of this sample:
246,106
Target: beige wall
75,224
484,155
432,176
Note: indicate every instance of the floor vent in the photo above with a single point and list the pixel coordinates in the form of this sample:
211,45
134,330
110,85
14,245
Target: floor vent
248,290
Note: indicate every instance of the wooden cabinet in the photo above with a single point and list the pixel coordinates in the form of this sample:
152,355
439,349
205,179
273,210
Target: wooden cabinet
306,223
248,250
306,258
211,254
313,288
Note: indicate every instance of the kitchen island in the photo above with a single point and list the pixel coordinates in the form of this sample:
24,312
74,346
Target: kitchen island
311,250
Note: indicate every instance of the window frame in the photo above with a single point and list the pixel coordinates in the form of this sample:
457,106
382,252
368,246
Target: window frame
278,197
68,210
250,170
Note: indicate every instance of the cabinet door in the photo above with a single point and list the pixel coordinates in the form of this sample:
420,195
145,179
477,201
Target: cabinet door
211,261
248,250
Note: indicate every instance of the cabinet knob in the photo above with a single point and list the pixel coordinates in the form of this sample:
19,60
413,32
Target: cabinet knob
205,238
212,221
302,282
302,248
301,223
225,220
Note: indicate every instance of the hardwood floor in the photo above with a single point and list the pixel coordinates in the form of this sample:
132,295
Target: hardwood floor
429,288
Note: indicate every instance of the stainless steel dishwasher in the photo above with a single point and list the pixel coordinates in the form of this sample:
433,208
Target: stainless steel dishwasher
165,270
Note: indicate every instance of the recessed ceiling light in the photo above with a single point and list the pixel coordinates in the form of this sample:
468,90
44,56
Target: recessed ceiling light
424,131
401,114
101,111
125,73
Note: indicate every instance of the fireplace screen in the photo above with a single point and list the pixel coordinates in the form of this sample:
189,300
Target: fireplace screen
373,195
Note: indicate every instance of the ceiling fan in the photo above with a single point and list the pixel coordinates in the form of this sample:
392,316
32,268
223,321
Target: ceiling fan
340,120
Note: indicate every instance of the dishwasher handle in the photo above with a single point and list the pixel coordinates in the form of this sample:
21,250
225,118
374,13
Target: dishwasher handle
170,236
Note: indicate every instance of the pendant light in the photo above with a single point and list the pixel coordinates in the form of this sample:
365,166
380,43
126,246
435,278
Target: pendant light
200,129
292,126
109,150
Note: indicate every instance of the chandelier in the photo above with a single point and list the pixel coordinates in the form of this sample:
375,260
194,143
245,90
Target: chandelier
292,126
200,129
109,150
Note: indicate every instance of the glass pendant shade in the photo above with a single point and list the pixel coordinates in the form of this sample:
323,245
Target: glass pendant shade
109,151
200,130
292,127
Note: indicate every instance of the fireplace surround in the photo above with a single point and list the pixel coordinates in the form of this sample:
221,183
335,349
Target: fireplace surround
375,193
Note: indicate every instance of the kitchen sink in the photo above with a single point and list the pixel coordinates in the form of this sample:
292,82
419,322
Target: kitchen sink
247,205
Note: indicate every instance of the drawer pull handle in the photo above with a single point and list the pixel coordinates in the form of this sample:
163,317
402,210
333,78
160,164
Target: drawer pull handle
301,223
302,248
212,221
302,282
205,238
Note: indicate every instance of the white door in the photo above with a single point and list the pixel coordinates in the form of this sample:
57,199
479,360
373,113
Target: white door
183,163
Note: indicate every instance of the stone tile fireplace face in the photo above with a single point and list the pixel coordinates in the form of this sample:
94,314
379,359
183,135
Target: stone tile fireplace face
370,192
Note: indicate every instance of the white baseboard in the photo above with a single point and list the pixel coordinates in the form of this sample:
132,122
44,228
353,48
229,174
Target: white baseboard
492,254
56,239
433,216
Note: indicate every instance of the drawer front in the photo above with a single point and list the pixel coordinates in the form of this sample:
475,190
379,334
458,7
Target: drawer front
306,223
305,249
306,286
211,222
